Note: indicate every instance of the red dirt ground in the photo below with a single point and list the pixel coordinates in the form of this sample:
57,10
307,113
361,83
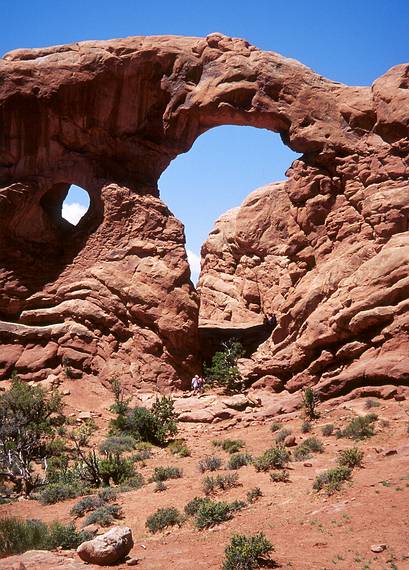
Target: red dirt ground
309,530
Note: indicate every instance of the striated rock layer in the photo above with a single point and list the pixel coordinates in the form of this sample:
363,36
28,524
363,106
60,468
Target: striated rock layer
326,252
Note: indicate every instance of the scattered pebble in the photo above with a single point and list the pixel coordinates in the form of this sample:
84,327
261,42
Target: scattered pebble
378,547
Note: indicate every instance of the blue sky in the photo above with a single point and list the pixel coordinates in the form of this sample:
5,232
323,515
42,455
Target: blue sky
350,41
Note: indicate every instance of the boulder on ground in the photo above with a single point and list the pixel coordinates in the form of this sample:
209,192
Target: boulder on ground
109,548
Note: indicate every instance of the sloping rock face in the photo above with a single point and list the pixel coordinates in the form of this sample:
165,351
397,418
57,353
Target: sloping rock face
113,294
341,307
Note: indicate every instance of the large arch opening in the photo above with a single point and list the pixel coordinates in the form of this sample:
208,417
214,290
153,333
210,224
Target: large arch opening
222,168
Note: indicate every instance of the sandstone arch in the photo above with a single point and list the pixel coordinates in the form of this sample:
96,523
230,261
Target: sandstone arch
115,114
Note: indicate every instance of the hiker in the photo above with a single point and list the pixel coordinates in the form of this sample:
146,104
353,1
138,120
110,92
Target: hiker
201,382
195,384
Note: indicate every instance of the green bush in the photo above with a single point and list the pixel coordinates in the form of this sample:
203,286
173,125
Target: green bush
332,479
281,435
165,473
360,427
229,445
371,404
281,476
107,495
163,518
274,458
192,506
17,536
211,513
117,444
238,460
327,429
246,552
254,494
29,421
104,516
64,536
351,457
159,487
85,505
306,427
310,400
220,482
313,444
133,483
179,447
308,446
275,427
156,425
141,455
115,468
223,370
210,463
56,492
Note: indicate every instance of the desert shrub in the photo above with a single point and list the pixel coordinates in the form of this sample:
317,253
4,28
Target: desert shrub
229,445
306,427
210,463
117,444
310,401
104,516
156,425
107,495
56,492
160,487
179,447
115,468
192,506
370,403
327,430
360,427
65,536
141,455
29,420
275,427
85,505
246,552
237,505
281,476
133,483
351,457
254,494
165,473
18,535
163,518
332,479
301,453
281,435
313,444
308,446
220,482
238,460
211,513
274,458
223,370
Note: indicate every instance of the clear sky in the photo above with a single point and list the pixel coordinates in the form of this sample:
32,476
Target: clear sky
352,41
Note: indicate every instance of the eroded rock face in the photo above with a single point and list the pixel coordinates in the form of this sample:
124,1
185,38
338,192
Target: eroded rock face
113,295
337,284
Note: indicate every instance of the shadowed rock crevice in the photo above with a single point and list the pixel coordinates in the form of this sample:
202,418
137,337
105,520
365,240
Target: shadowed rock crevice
113,115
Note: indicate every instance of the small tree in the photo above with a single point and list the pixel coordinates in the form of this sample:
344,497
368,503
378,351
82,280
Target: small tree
28,422
223,370
310,400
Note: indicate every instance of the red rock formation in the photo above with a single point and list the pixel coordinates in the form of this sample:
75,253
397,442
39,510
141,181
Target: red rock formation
113,294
